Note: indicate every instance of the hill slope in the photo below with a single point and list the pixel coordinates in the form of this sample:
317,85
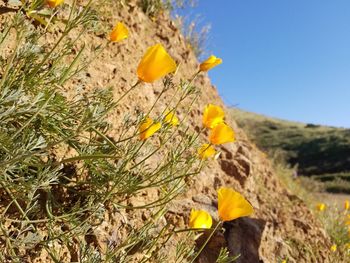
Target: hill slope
316,149
282,226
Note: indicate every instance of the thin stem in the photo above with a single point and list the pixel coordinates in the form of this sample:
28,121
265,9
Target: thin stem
12,58
88,157
206,242
33,117
15,201
129,90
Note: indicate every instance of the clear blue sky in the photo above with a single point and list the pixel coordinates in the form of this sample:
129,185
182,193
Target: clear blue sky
283,58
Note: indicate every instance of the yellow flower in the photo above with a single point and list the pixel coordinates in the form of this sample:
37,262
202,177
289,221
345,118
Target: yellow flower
54,3
200,219
346,205
211,62
284,261
155,64
148,128
221,133
171,118
232,205
320,207
347,222
119,32
206,151
212,116
334,248
347,246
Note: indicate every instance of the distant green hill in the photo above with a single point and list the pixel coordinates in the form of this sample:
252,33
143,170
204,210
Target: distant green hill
318,150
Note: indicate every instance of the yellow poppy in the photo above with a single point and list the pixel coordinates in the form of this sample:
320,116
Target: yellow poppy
171,118
346,205
54,3
148,128
119,32
211,62
232,205
155,64
347,246
206,151
320,207
212,116
221,133
200,219
334,248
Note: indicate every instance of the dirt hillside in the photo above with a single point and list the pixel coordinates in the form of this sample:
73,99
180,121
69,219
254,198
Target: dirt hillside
282,227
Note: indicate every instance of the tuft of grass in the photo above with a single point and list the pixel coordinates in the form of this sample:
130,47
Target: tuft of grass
155,7
196,35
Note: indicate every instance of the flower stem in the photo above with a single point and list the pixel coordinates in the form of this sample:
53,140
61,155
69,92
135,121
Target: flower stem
206,242
128,91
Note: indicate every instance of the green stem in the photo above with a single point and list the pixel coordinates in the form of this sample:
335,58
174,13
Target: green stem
15,201
33,117
129,90
206,242
88,157
12,58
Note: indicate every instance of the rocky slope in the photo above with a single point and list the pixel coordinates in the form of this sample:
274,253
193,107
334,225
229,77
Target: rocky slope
282,226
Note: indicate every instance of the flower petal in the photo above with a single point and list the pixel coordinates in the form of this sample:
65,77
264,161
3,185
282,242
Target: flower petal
148,128
212,116
200,219
171,118
155,64
119,32
221,133
232,205
54,3
206,151
209,63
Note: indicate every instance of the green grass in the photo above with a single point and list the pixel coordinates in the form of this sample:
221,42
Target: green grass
322,152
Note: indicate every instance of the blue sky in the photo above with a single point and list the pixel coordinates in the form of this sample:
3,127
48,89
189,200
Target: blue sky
283,58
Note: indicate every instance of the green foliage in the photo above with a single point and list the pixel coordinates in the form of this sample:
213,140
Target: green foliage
61,174
335,223
332,218
224,257
316,150
152,8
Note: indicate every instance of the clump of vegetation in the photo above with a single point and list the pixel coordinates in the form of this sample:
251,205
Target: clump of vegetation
336,222
314,150
155,7
195,35
334,219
